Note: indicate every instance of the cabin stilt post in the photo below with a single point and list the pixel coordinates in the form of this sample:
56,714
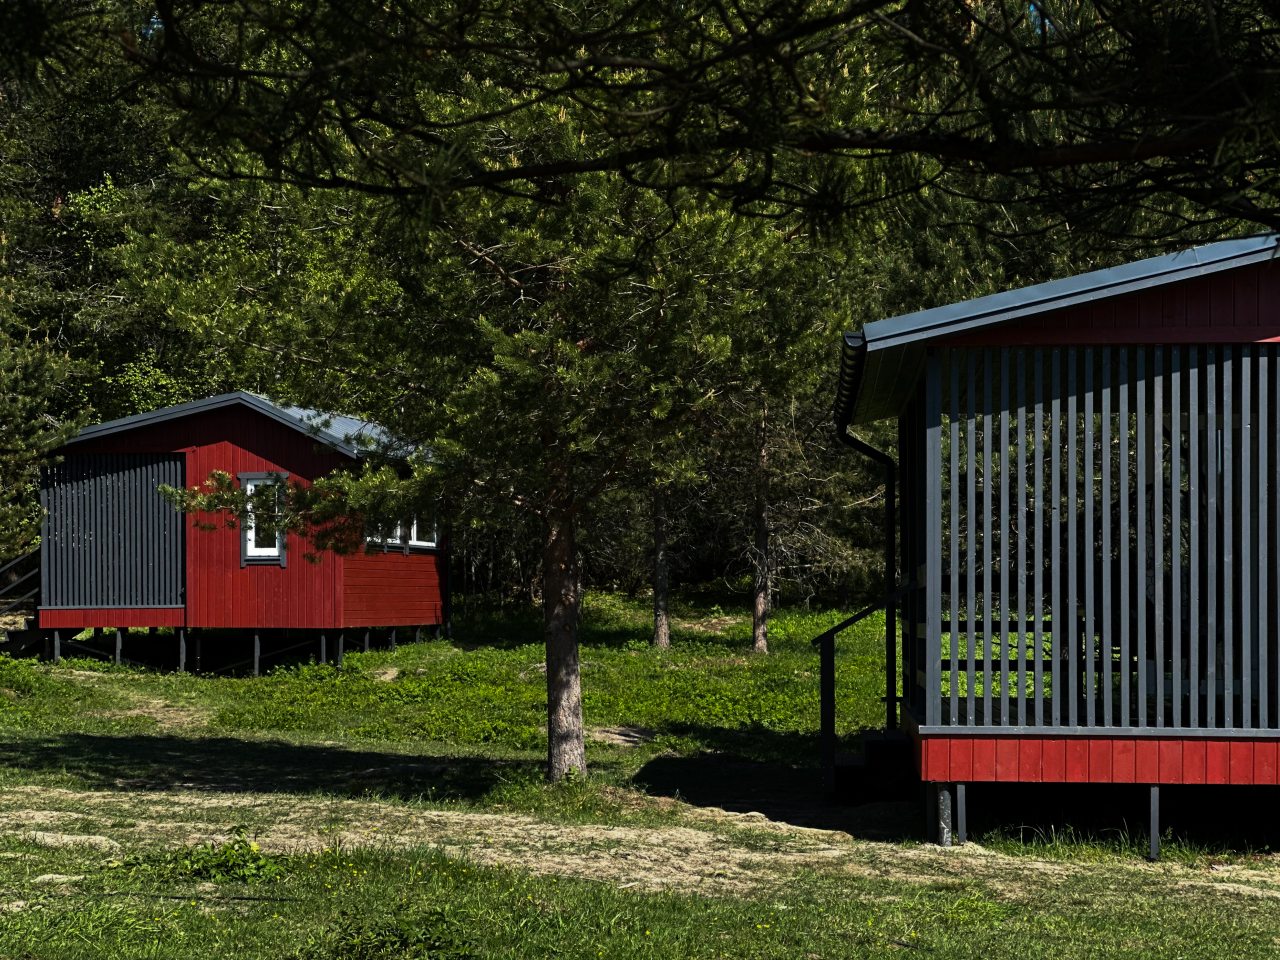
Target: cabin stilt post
1153,825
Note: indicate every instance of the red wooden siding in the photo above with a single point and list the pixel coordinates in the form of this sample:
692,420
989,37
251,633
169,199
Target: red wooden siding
219,592
1234,306
1098,760
112,617
391,589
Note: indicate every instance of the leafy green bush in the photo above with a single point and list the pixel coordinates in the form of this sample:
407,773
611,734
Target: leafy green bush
238,860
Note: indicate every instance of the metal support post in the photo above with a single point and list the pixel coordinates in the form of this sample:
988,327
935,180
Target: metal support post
1154,825
827,708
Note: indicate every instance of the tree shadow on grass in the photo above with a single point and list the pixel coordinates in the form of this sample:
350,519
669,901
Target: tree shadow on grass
779,774
139,762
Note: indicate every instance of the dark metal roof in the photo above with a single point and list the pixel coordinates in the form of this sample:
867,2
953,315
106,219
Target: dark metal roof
882,362
345,434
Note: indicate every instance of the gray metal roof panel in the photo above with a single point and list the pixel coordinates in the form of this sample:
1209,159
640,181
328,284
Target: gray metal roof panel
347,435
1055,294
871,388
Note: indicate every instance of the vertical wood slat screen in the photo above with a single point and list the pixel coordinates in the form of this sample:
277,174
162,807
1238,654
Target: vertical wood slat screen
1101,523
109,539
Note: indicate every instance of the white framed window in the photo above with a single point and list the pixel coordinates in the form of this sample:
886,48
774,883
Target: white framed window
422,534
260,544
416,533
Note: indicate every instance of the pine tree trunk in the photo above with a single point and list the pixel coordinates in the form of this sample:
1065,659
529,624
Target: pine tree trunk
661,573
562,606
760,510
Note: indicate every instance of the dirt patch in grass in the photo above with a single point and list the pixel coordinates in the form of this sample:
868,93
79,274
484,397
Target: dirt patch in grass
167,716
715,625
44,838
621,736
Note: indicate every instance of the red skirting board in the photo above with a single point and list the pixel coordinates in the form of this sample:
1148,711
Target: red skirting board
1122,759
78,619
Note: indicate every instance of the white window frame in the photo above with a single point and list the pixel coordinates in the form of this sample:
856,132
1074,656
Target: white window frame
415,539
250,552
396,536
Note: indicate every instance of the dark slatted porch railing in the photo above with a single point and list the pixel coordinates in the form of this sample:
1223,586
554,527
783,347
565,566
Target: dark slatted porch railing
1094,545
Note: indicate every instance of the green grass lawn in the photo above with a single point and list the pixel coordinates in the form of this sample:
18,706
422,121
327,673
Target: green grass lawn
394,808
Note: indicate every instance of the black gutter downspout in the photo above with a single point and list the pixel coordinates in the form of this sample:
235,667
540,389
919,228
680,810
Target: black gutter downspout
890,570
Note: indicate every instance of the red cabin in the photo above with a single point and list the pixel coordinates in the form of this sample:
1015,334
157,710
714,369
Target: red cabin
116,554
1085,559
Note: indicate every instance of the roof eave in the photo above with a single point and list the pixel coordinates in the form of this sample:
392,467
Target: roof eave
152,417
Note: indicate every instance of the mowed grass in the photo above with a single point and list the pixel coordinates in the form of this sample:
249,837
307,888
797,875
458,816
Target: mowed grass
482,695
395,808
419,903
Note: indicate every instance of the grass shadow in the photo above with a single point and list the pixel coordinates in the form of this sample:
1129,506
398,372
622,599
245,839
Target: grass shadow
778,774
224,764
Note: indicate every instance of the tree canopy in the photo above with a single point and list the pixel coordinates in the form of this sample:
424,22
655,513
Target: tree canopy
1122,117
514,235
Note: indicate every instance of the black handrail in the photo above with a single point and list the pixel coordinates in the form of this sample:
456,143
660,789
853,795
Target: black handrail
826,642
17,560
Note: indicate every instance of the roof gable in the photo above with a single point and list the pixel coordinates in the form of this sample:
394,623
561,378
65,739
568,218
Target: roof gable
347,435
882,362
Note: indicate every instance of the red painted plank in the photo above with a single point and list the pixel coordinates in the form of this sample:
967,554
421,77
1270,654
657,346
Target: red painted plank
1123,761
1055,761
1150,314
1193,761
1246,297
1030,767
1196,294
1268,292
984,759
1146,761
937,758
1098,760
1221,300
1170,761
1264,762
1077,760
110,617
1100,752
961,760
1241,761
1217,761
1006,760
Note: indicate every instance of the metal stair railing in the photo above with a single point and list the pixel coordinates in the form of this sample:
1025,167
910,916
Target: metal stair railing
10,598
826,644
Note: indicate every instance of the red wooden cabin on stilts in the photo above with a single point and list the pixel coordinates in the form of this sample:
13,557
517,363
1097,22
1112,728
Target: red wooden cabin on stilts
116,554
1087,524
